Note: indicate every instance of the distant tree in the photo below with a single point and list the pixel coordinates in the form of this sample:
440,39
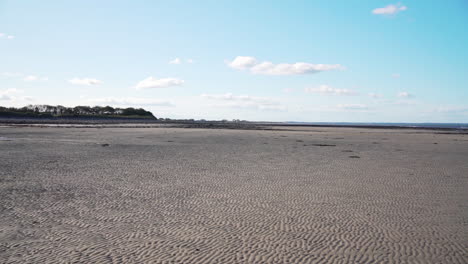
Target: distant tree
49,111
108,110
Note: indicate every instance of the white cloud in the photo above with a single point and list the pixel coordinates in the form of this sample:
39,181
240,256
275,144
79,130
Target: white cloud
327,90
10,91
85,81
396,75
242,62
27,78
3,35
245,101
374,95
13,96
11,74
452,109
252,105
405,95
290,69
231,97
129,101
180,61
269,68
175,61
352,106
405,102
272,107
389,10
31,78
152,82
5,96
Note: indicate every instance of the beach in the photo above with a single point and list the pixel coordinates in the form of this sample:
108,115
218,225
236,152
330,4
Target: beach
197,195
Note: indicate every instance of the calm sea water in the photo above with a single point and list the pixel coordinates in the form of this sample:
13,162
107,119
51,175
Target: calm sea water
416,125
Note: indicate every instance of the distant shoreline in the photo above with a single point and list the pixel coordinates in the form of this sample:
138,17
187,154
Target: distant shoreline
144,122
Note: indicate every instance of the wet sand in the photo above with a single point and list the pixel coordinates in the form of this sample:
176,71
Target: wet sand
174,195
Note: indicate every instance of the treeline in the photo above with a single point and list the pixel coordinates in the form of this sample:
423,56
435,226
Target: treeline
45,111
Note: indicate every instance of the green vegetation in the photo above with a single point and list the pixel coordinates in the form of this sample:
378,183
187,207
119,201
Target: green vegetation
48,111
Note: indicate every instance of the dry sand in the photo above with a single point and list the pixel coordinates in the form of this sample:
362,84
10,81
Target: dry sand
172,195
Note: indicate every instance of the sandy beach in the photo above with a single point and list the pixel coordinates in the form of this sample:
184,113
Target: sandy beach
187,195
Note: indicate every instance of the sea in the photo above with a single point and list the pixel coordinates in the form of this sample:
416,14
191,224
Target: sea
408,125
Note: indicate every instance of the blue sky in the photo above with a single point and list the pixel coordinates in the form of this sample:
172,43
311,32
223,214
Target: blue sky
350,61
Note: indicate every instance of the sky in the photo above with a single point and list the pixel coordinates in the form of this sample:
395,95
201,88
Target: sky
307,61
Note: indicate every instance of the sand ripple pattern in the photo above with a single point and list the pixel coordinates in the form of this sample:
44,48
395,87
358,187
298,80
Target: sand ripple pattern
169,195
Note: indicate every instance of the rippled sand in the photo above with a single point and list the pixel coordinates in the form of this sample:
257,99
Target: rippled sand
172,195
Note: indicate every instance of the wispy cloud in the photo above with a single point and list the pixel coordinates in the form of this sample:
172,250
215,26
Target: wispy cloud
13,95
85,81
452,109
231,97
353,106
389,10
395,75
327,90
152,82
11,74
130,101
32,78
175,61
27,78
375,95
269,68
245,101
405,95
6,36
6,95
180,61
